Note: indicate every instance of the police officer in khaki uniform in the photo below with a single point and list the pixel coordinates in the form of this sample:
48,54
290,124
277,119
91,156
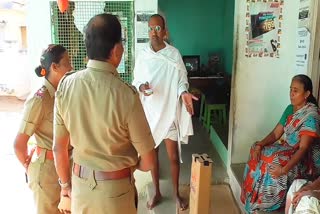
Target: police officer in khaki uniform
105,122
38,121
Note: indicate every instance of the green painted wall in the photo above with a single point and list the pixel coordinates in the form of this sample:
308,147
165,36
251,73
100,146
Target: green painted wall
201,27
228,35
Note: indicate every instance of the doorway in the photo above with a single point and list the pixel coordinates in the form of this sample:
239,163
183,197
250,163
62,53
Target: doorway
204,35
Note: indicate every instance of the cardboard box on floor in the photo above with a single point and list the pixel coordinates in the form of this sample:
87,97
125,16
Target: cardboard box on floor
200,183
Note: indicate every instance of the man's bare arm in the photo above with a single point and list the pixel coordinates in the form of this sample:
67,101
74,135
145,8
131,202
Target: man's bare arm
147,161
61,158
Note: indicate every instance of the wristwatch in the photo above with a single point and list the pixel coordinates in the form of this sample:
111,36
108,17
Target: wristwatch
64,185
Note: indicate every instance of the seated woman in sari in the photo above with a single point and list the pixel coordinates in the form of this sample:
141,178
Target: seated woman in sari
274,164
303,197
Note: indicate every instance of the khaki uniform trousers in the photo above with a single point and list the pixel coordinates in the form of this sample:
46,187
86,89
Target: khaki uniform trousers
90,196
43,181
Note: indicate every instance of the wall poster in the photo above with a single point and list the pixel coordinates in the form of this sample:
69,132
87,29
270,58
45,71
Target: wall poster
304,13
302,50
263,27
142,34
124,33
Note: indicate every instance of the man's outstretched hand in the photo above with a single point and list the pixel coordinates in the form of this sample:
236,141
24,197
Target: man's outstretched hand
187,99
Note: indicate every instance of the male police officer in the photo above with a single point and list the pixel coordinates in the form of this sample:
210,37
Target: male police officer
105,122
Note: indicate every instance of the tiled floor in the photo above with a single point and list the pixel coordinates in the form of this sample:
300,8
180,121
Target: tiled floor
199,143
17,192
238,170
17,197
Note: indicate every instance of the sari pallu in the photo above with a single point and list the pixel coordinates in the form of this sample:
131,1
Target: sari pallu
259,190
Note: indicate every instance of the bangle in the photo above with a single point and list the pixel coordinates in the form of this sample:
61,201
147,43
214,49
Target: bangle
140,88
281,171
257,145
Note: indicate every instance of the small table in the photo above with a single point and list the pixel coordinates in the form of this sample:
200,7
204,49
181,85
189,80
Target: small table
204,84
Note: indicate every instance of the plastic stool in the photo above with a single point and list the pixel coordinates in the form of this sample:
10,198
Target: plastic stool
202,115
215,113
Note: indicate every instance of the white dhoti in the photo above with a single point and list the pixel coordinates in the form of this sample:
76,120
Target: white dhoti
172,133
307,204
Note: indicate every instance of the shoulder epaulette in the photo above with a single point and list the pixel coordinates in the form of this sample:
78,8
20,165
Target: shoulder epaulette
67,74
127,84
131,87
41,92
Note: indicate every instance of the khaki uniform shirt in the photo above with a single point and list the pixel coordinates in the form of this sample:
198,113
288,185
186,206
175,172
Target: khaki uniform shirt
104,118
38,116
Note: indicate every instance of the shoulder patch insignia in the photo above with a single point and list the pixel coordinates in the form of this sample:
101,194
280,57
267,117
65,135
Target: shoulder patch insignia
41,92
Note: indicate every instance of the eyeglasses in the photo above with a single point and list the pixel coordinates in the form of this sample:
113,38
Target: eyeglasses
157,28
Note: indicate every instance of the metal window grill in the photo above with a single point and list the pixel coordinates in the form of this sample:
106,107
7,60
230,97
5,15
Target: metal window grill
67,30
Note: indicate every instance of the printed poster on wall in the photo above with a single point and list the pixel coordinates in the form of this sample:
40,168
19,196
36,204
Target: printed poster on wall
263,28
124,32
302,50
304,13
142,34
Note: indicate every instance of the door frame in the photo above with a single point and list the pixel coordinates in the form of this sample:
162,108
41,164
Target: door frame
314,60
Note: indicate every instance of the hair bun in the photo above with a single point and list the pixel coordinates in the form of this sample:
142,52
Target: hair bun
38,70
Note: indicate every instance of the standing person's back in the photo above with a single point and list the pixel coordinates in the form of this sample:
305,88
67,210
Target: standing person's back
100,107
104,119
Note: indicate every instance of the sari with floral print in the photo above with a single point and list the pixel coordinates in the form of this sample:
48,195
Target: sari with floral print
260,191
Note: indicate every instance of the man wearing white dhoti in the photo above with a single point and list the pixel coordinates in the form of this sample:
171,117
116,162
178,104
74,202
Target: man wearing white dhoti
161,78
303,197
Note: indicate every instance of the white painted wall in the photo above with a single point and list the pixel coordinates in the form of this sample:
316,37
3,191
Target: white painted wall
14,20
14,79
261,85
39,35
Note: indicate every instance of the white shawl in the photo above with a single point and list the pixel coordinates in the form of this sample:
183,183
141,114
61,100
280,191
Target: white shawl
167,76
